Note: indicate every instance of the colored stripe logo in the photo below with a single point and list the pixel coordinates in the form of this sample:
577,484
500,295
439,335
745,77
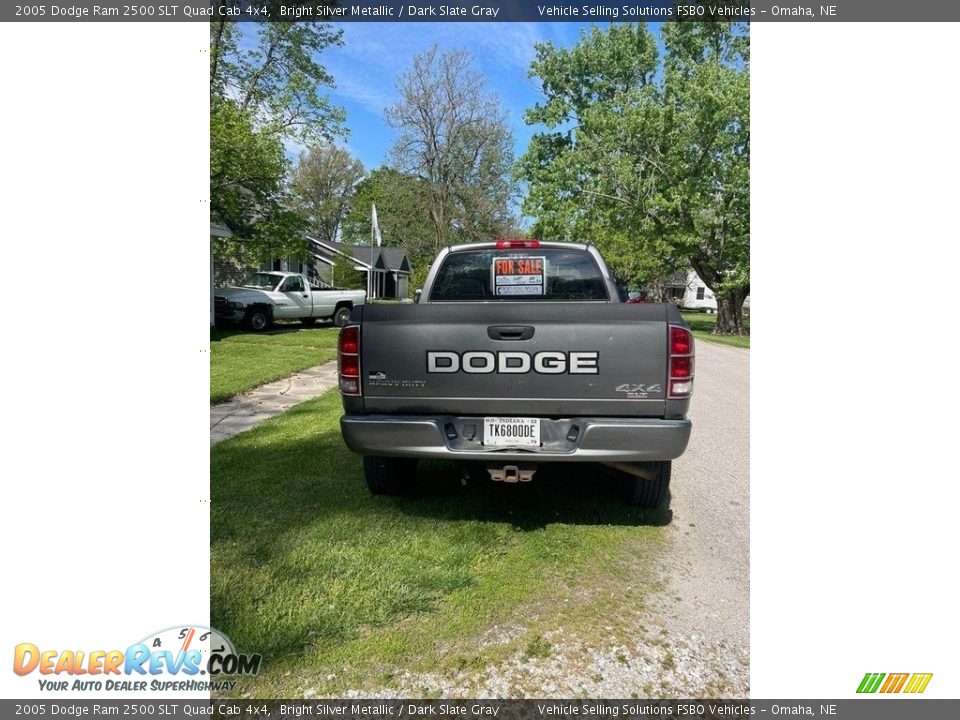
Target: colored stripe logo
918,683
894,683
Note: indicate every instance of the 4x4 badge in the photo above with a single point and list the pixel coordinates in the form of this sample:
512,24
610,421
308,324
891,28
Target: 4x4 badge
639,389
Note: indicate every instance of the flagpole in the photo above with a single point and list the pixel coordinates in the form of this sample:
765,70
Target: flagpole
370,271
375,237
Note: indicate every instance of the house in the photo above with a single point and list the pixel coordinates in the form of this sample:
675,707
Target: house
697,296
385,270
669,288
217,232
675,287
686,289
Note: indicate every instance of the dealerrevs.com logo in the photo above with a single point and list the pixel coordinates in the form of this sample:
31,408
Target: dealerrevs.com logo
910,683
182,659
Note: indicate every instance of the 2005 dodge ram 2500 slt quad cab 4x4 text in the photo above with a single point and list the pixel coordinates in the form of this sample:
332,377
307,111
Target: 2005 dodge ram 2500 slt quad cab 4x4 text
518,352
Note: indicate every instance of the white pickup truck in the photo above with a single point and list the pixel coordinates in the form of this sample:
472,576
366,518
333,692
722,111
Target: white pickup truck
268,296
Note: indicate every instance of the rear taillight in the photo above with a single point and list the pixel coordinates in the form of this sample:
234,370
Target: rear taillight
681,362
516,243
348,358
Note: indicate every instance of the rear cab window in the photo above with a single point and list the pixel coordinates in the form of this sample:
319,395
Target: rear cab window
534,274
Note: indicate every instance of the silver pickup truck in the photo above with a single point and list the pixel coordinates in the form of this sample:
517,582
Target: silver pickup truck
518,352
268,296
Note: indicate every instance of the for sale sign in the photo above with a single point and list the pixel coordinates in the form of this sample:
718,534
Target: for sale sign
519,275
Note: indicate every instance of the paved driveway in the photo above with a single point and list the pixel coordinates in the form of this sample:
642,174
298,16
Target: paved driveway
707,568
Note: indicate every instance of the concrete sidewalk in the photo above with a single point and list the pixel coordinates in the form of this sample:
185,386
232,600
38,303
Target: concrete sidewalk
248,410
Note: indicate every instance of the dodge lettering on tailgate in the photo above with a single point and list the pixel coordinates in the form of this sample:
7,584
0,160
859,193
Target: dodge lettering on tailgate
506,361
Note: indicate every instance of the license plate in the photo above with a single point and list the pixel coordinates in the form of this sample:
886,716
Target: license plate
511,432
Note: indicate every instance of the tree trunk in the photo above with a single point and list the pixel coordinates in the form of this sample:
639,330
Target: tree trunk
216,49
730,312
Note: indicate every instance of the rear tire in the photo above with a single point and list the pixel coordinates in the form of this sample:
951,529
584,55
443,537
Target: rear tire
341,316
653,493
389,476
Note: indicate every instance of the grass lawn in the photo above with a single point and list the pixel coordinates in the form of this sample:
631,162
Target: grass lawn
702,325
341,590
240,361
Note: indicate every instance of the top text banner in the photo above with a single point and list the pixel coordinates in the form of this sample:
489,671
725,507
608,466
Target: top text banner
479,11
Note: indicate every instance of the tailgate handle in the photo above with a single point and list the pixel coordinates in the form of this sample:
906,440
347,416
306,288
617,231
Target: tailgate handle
510,332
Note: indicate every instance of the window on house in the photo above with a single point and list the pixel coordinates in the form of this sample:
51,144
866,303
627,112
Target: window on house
700,293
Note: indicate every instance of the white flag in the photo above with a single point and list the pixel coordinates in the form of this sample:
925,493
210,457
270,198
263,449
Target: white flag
375,224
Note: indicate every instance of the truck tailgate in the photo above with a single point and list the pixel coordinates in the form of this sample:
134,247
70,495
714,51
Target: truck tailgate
547,359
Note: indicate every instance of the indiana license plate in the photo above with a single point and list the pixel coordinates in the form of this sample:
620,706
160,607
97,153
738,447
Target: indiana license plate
511,432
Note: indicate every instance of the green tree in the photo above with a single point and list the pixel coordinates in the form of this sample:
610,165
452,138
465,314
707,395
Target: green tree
648,156
278,80
403,214
650,269
454,136
260,98
323,186
247,192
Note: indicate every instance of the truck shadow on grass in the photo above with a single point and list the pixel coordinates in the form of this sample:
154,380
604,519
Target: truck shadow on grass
565,493
290,481
304,559
263,492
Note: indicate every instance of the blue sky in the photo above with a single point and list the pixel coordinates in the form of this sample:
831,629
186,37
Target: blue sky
366,67
372,56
